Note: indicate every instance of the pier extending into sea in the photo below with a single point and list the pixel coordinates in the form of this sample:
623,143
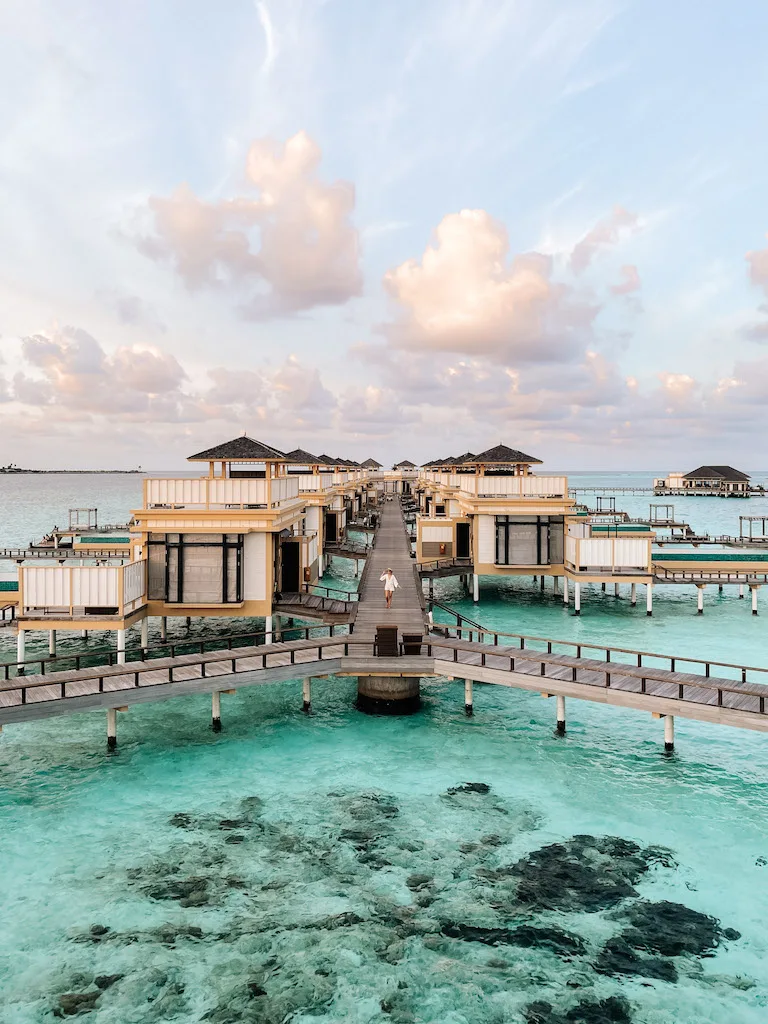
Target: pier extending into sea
664,686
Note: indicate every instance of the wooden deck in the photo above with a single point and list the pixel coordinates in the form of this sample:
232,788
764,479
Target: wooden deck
392,551
609,676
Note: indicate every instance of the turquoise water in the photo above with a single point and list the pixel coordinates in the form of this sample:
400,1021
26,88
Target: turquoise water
317,869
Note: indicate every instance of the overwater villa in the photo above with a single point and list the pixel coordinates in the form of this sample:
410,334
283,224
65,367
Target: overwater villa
712,481
491,515
251,538
256,526
253,534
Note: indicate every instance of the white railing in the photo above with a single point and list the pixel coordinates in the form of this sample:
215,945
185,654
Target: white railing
314,482
512,486
70,590
218,492
607,554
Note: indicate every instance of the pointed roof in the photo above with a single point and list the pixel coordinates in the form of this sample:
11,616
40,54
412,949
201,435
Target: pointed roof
462,460
716,473
503,456
304,457
371,464
405,464
240,449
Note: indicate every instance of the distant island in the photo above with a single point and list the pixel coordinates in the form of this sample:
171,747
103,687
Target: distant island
11,468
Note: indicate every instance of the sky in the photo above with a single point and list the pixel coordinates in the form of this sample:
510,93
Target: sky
396,229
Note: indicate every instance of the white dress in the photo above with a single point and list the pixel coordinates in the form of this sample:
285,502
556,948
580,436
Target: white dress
390,583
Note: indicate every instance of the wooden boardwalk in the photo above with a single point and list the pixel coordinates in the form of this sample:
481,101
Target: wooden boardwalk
503,659
391,551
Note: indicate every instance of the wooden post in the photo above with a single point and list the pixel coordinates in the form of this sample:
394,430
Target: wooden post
555,584
268,629
469,708
577,598
616,590
633,594
52,642
603,587
163,628
111,728
120,646
754,599
83,634
561,716
216,711
741,591
476,585
144,634
649,599
307,696
542,584
699,600
565,591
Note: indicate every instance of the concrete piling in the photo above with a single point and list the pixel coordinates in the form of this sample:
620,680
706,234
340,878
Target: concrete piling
120,646
21,647
307,696
111,728
561,716
469,703
669,733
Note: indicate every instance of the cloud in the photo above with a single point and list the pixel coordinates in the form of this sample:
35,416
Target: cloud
270,41
74,371
291,249
131,309
630,281
758,268
605,233
466,295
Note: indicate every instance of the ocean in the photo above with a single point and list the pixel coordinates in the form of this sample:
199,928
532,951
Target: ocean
338,867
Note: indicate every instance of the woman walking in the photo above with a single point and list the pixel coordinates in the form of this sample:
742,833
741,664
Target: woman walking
390,583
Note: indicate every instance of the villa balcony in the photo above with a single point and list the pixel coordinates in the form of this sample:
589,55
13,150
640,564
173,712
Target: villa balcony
608,555
220,492
79,591
510,486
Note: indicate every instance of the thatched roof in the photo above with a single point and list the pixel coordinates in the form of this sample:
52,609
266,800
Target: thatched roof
303,457
717,473
240,449
503,456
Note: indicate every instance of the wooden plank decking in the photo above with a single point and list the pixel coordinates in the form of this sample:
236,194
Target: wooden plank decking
392,551
728,701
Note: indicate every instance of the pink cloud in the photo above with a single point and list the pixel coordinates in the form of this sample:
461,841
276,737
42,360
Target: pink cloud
466,295
605,233
290,249
630,281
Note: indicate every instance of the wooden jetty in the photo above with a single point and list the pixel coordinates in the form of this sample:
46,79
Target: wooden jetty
723,693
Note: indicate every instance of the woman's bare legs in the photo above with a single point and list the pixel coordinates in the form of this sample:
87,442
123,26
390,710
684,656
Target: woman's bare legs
388,596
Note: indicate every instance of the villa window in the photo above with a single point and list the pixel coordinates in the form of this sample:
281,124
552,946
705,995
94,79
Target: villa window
195,568
529,540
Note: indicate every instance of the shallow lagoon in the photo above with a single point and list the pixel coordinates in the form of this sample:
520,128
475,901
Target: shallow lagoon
317,868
